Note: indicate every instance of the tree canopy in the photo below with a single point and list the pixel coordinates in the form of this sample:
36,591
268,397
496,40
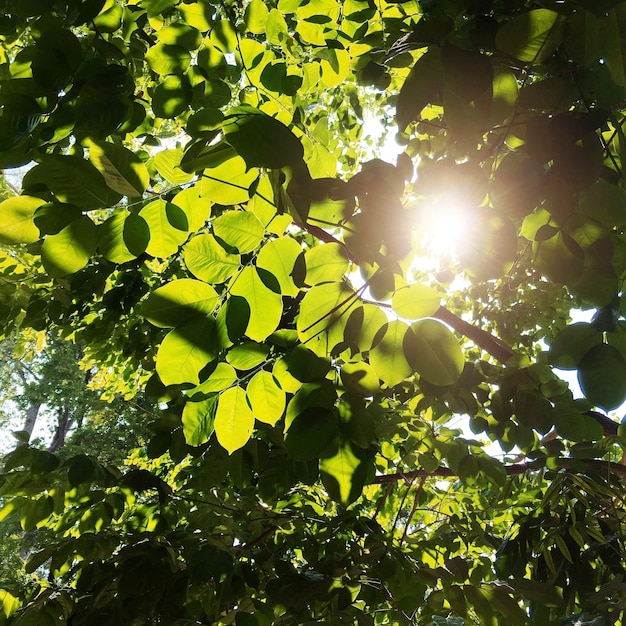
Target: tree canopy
330,336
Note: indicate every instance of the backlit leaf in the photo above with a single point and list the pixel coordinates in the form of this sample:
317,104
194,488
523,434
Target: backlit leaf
123,237
221,377
261,140
16,220
179,300
324,311
229,182
415,301
167,163
531,37
344,473
73,180
327,263
70,250
265,306
207,259
279,257
571,344
360,378
122,170
438,357
387,356
186,350
198,419
234,420
602,376
239,229
266,398
168,227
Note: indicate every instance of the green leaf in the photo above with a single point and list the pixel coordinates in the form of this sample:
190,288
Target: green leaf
228,182
387,356
234,420
324,311
571,424
363,325
70,250
468,74
123,237
279,257
10,604
198,420
197,208
559,257
168,228
344,473
602,376
180,34
266,398
255,17
542,593
171,97
360,378
423,85
310,433
167,163
222,376
74,181
531,37
276,29
207,260
186,350
16,220
415,301
122,169
570,345
265,306
239,229
34,512
357,423
261,140
166,59
326,263
247,355
437,357
179,300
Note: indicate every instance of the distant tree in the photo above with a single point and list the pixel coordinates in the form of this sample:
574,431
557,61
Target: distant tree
333,335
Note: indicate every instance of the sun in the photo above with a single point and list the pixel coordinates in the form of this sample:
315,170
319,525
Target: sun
442,224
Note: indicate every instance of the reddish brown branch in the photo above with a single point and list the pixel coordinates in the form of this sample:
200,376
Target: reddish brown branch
488,342
511,470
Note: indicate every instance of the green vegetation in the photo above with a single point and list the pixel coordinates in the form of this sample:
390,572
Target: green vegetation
281,352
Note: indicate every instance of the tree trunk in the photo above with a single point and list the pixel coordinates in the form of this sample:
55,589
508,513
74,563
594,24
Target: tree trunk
63,426
32,413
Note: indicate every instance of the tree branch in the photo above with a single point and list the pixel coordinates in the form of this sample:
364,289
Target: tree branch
511,470
488,342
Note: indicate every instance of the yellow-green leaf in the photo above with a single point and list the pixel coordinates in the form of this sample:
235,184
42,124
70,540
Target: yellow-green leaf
437,356
234,420
415,301
326,263
16,220
387,357
179,300
70,250
187,350
265,306
198,418
266,398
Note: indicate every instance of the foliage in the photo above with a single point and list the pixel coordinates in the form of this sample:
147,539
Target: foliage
205,217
